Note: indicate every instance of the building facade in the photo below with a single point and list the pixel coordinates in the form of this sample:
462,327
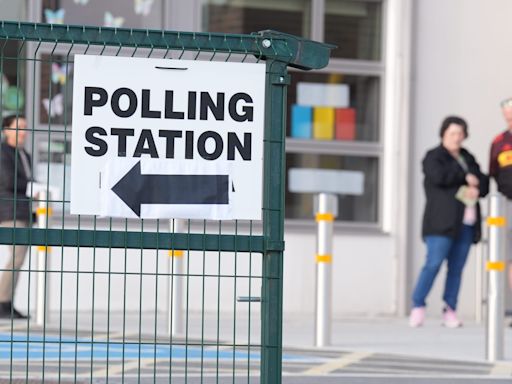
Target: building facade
399,68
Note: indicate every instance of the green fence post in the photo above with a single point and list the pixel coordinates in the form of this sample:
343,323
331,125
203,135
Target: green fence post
303,54
273,223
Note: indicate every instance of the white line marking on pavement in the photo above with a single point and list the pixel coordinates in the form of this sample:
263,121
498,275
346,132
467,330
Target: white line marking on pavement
15,328
336,364
502,368
114,370
114,336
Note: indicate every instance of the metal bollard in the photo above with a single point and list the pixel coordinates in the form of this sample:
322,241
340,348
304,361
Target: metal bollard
175,308
42,282
495,266
324,217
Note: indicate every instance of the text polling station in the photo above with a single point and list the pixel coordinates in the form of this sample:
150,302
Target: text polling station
155,138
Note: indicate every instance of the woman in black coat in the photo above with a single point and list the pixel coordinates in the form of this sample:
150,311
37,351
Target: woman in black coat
15,173
451,222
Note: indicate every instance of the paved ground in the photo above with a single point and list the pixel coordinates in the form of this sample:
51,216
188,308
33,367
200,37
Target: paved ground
363,351
299,366
392,335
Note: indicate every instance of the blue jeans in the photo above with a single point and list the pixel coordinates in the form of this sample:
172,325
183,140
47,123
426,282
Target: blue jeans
439,248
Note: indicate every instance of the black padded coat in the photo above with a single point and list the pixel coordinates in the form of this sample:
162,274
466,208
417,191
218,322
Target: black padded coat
13,186
443,177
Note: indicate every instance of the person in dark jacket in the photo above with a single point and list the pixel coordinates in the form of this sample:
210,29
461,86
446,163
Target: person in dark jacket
451,222
15,173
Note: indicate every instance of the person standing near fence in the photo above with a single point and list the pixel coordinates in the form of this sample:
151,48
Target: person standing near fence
15,173
500,168
451,222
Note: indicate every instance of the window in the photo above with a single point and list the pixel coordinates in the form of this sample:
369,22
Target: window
246,16
362,208
111,13
12,78
56,90
333,107
12,66
334,124
355,27
334,115
55,76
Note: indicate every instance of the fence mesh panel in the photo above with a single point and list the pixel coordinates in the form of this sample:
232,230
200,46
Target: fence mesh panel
139,300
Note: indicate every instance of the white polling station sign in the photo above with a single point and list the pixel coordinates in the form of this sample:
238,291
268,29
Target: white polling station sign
155,138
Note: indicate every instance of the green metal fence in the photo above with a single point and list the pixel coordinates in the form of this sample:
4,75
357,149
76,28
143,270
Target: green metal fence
102,293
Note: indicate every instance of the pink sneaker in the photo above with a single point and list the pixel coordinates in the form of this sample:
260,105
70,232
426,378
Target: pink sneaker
450,319
417,317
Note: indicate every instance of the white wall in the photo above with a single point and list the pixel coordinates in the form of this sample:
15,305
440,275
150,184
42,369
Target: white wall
462,65
363,274
13,10
363,278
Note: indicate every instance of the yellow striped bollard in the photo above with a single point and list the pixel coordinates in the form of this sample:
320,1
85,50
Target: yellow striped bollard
325,215
495,266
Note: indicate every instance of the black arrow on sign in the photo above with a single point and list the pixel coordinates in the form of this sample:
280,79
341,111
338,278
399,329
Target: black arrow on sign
135,189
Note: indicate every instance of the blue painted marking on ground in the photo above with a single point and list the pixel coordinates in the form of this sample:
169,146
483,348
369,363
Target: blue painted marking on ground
17,347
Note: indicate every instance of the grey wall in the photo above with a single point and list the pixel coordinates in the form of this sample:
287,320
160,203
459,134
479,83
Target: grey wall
12,10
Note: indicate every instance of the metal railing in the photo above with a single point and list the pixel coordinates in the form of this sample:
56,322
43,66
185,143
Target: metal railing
110,319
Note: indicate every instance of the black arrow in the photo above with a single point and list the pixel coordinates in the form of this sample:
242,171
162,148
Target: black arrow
135,189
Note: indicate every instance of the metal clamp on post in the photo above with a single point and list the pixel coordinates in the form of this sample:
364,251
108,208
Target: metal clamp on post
495,266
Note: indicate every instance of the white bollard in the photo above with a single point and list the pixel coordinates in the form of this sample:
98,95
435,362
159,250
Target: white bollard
325,215
495,266
175,294
42,282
